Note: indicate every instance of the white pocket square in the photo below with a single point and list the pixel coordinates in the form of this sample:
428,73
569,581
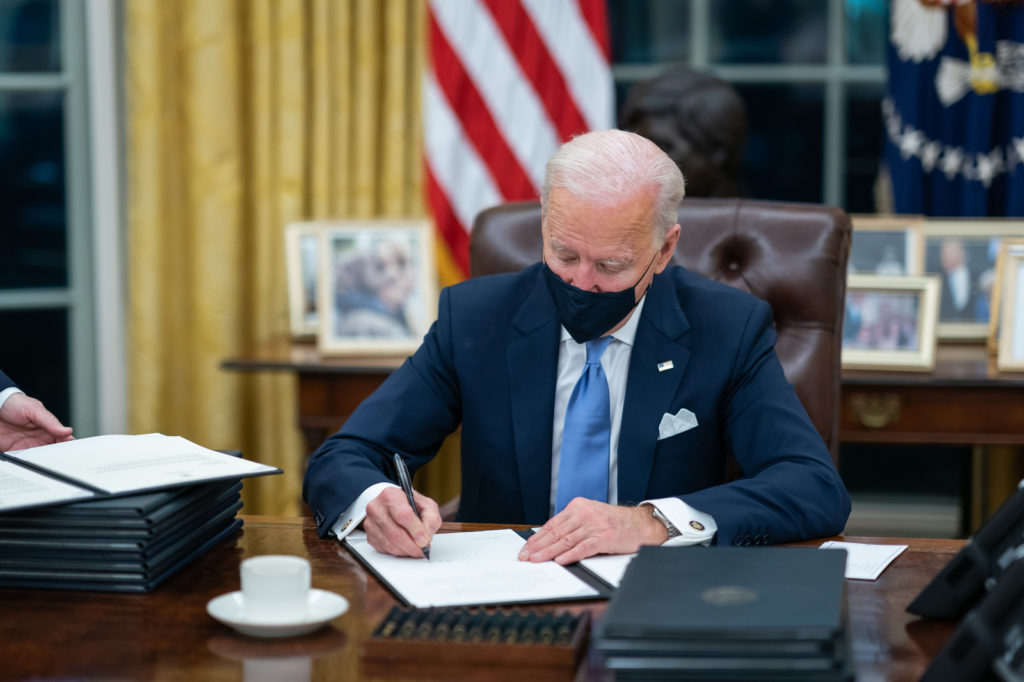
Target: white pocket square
672,424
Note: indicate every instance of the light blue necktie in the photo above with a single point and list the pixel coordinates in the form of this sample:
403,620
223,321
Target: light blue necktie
586,434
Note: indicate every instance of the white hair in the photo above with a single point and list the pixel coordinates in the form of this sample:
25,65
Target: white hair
606,166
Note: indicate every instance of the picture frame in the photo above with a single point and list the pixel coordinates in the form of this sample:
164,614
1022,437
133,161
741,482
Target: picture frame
302,266
887,245
1011,328
1009,246
378,292
890,322
963,254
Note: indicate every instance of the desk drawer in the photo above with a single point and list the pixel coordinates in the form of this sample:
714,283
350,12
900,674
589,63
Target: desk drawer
932,414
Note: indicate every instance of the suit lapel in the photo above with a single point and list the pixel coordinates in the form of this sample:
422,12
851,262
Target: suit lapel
532,368
649,391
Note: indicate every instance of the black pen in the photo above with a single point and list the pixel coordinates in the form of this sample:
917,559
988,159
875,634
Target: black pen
403,478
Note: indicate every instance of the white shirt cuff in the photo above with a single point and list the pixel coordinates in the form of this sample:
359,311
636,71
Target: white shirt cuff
356,512
7,393
695,527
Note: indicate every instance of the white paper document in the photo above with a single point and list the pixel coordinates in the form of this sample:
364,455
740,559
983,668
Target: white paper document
112,465
117,464
865,562
473,568
608,567
20,487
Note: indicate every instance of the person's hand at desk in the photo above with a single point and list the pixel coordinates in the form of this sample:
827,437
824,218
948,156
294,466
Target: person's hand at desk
25,423
392,526
586,527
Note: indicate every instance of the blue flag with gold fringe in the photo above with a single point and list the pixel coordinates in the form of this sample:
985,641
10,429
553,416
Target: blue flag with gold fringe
954,111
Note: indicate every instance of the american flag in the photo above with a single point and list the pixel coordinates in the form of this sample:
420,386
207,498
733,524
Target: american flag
508,81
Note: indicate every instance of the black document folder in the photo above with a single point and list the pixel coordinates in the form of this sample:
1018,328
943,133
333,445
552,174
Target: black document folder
729,613
152,515
123,543
123,581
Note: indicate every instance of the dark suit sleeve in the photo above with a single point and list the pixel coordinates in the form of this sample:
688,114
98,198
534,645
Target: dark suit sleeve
791,489
5,382
411,413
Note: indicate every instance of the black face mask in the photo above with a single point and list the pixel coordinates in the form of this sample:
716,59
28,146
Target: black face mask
586,315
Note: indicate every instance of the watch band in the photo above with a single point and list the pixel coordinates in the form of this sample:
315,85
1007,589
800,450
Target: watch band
673,532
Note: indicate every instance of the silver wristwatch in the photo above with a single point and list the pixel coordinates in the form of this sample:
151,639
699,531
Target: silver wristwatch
673,532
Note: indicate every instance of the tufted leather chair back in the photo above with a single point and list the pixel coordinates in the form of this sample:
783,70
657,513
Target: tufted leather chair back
791,255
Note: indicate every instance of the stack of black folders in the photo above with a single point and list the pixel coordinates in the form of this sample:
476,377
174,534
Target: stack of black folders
724,613
120,542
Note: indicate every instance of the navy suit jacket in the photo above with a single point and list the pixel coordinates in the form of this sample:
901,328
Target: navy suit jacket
489,363
5,382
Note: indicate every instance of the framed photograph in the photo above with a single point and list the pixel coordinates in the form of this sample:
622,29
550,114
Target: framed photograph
887,245
378,293
302,260
1011,329
1008,248
962,253
890,322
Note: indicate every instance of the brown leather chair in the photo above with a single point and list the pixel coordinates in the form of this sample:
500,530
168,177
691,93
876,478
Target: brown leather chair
791,255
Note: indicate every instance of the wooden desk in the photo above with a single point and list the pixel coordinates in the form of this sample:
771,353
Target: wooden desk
964,401
329,388
168,635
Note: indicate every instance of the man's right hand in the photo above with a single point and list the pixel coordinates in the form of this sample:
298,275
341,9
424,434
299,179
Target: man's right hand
392,527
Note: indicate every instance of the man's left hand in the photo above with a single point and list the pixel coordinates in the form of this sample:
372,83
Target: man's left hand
586,527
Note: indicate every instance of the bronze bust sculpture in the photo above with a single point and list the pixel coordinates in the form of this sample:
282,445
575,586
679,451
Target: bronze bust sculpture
701,123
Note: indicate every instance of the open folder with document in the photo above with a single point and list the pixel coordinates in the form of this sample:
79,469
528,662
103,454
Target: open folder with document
112,465
473,569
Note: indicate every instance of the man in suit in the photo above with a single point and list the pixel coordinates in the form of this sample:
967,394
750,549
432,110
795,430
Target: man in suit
958,286
24,422
691,375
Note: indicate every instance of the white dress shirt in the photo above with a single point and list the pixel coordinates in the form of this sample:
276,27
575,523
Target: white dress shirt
7,393
572,357
695,527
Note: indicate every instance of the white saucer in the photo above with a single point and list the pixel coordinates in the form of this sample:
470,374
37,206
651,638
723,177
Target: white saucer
322,606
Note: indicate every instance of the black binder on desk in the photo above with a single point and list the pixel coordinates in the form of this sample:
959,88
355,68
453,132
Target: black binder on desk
140,510
126,581
119,543
113,554
728,613
167,510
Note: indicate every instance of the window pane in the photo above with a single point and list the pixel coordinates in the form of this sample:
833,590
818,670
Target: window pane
29,35
863,145
33,229
866,27
769,31
649,30
34,353
783,155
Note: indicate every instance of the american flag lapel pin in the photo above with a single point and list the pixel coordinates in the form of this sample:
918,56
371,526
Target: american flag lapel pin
662,366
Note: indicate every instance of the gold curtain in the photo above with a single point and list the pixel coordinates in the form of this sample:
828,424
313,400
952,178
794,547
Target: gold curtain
244,115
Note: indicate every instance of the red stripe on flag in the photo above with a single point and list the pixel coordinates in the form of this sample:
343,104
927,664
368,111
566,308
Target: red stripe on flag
452,231
532,54
483,133
596,16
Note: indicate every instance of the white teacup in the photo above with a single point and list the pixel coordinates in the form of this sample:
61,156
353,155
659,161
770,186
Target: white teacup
275,588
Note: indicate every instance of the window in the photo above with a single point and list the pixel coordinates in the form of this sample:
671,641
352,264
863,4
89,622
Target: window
811,74
46,338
